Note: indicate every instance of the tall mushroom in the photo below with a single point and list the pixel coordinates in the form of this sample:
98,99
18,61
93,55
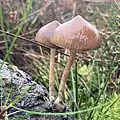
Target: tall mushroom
43,36
76,35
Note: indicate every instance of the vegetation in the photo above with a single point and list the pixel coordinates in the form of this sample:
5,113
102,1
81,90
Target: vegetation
94,83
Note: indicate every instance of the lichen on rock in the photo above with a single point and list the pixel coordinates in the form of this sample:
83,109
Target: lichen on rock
25,94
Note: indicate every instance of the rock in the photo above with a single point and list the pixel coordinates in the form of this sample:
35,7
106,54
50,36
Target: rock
26,94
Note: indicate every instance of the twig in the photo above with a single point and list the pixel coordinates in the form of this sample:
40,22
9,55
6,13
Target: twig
23,38
117,4
34,42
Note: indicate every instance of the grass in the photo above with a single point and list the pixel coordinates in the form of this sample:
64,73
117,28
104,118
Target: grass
93,87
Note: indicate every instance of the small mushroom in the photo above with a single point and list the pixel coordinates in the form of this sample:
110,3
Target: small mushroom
43,36
76,35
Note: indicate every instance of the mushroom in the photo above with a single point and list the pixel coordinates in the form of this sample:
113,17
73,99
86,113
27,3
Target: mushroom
76,35
43,36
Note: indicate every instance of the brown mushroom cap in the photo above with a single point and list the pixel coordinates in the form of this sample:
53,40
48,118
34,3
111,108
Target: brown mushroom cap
76,34
46,32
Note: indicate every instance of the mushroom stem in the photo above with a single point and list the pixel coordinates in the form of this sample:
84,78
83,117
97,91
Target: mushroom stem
51,74
65,77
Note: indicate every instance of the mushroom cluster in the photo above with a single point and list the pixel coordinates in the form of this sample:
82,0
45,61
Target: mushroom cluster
76,35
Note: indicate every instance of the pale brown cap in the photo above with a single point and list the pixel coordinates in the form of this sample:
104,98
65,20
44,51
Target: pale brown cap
77,34
46,32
